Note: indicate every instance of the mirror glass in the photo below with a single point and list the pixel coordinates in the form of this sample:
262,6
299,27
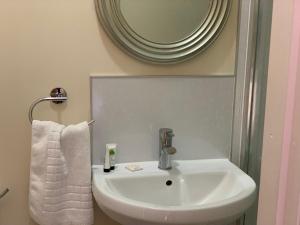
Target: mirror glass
165,21
163,31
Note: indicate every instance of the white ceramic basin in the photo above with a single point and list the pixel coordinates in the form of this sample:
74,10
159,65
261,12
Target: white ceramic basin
202,192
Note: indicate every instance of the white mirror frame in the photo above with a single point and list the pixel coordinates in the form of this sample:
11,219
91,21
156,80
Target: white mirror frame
115,25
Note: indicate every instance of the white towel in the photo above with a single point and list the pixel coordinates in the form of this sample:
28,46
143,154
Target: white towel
60,174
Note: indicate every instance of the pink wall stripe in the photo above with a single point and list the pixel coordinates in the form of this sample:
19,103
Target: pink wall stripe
289,114
298,212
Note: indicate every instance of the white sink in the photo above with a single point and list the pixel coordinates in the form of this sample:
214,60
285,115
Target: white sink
203,192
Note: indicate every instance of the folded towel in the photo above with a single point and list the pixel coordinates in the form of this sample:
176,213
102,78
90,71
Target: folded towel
60,174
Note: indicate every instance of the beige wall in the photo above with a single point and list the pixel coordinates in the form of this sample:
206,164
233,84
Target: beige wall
44,44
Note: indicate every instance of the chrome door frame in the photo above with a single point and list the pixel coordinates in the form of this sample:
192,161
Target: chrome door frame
255,18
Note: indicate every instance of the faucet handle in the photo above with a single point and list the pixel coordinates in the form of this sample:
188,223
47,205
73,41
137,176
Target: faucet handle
170,133
166,132
166,135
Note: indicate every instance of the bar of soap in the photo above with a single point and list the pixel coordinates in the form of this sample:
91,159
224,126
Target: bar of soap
133,167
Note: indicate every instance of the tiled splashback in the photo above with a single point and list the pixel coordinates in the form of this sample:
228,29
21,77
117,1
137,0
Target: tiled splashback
130,110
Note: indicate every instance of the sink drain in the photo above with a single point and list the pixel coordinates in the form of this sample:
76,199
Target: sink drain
169,182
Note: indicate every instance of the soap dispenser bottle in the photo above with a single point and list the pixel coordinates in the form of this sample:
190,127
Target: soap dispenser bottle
106,167
112,148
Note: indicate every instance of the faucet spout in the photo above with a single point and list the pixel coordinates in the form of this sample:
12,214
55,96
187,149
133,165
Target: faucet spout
165,148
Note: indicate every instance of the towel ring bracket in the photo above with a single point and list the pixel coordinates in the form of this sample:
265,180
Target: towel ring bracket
58,93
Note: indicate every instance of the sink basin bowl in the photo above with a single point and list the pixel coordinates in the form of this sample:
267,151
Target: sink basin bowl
199,192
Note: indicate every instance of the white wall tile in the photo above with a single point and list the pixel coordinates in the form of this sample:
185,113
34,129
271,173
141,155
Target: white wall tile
130,110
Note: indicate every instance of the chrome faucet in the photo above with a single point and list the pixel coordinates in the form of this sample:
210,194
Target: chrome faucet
165,148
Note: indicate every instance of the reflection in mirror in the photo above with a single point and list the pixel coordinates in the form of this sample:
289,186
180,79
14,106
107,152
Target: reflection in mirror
165,21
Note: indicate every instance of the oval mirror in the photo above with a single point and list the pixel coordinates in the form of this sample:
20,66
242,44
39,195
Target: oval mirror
163,31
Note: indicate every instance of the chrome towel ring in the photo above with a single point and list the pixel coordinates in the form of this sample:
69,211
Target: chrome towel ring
57,96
